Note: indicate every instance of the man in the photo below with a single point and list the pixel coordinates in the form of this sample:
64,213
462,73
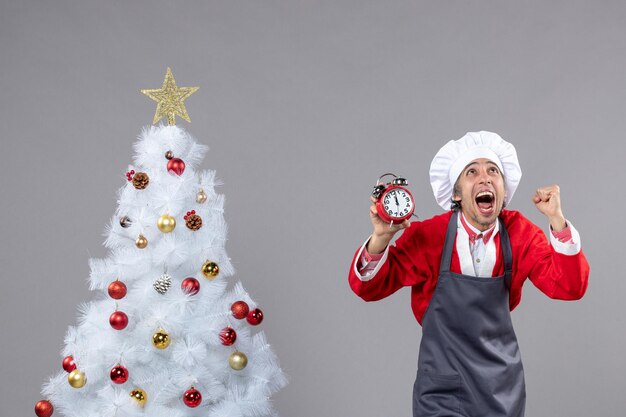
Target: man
466,269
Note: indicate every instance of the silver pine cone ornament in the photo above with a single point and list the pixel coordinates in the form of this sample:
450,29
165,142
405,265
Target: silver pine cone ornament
163,284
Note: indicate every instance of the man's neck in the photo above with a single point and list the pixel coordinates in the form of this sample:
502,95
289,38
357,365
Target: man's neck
479,227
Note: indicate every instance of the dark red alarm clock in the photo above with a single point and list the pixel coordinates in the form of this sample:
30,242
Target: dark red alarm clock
394,202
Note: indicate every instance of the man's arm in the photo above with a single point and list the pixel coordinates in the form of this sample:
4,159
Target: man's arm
395,266
559,269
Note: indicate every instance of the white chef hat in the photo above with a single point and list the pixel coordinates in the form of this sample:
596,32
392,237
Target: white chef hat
455,155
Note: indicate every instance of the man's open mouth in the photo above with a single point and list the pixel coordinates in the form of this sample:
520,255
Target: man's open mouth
485,201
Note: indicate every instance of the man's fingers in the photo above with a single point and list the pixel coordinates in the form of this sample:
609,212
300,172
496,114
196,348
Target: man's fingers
397,226
542,195
393,227
548,191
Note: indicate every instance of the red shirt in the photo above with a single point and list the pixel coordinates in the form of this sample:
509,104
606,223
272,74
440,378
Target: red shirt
415,258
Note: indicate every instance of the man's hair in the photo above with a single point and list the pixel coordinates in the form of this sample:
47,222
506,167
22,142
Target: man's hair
456,190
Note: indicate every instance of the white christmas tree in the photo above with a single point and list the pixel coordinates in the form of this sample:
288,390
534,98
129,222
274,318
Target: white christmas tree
166,336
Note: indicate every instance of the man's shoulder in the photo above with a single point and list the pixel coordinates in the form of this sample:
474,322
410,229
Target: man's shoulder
436,222
428,228
431,230
511,216
516,221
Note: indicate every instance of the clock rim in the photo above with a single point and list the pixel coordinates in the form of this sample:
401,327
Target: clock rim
383,214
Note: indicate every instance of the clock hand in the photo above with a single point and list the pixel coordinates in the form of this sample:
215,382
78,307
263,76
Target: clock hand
395,196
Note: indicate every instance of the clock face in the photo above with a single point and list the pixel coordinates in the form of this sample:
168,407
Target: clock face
397,203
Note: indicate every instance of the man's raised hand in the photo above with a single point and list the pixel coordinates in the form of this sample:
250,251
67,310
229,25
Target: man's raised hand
548,201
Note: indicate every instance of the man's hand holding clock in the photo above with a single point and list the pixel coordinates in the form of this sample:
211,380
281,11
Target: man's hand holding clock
383,232
386,220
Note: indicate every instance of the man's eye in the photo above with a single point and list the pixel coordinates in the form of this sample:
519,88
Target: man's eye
493,169
471,171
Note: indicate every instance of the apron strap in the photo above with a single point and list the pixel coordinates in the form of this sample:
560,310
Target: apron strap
505,244
446,256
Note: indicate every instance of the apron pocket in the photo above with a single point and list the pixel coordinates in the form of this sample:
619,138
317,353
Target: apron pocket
436,395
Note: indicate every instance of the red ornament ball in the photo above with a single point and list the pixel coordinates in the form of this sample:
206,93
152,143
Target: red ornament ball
118,320
255,317
176,166
68,363
192,397
228,336
44,408
190,286
117,290
240,309
119,374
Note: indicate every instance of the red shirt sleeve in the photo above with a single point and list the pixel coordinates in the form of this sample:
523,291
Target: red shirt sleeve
559,276
401,268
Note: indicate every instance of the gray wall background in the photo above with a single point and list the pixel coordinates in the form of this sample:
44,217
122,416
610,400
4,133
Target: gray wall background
310,101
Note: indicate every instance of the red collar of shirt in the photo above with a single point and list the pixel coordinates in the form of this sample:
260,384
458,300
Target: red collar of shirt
473,236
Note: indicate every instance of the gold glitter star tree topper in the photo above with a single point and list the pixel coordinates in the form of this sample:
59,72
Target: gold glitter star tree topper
170,99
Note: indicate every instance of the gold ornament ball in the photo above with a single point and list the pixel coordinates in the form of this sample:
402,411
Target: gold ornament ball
166,223
77,379
238,361
141,242
210,269
201,197
140,396
161,340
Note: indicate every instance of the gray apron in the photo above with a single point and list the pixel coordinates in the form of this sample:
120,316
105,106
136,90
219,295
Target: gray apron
469,362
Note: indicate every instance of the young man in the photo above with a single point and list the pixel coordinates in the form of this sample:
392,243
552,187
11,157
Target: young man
466,269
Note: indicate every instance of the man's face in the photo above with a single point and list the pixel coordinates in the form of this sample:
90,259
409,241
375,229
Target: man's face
481,193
